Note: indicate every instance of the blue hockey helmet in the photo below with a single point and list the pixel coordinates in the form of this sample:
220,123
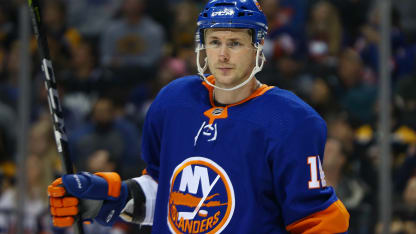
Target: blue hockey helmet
232,14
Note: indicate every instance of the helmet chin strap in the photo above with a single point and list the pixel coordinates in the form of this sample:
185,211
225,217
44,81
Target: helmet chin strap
259,58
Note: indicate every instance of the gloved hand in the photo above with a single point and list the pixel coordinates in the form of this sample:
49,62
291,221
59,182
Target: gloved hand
102,196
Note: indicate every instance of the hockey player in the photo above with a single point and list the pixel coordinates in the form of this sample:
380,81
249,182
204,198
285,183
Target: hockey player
224,154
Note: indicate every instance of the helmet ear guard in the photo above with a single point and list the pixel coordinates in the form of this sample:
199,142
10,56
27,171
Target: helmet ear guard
232,14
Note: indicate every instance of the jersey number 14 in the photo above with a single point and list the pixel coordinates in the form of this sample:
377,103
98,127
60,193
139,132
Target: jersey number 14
315,166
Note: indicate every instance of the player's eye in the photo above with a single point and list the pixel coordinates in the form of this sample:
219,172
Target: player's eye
214,43
234,44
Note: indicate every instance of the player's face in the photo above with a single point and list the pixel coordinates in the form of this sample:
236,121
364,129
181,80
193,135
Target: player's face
231,55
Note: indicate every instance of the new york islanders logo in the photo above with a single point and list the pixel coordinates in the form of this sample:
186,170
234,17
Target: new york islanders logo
201,197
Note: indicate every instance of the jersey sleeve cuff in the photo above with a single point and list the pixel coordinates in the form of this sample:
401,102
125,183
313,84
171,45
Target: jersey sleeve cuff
149,186
131,212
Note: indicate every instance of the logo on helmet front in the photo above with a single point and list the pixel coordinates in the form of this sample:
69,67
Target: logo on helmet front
201,197
224,12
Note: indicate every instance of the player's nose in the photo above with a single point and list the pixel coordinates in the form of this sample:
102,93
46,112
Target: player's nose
224,53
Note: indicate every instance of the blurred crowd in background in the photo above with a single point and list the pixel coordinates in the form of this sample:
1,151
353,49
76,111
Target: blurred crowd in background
111,57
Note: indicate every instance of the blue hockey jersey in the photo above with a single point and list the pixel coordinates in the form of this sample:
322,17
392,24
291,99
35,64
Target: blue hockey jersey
249,167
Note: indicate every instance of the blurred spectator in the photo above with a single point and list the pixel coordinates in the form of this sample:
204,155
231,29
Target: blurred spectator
287,72
183,35
362,157
353,15
299,16
42,143
349,188
183,29
133,44
162,15
285,15
405,100
368,41
322,98
324,32
106,131
283,48
340,129
101,161
398,226
38,178
36,199
172,69
405,173
8,30
9,84
83,81
403,151
352,91
406,9
186,53
82,70
277,16
7,194
409,195
142,96
283,38
61,37
91,17
9,87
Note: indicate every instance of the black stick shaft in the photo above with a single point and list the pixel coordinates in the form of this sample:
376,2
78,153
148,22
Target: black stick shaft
53,98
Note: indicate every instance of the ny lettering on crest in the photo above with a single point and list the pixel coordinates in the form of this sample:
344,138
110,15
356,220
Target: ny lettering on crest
191,180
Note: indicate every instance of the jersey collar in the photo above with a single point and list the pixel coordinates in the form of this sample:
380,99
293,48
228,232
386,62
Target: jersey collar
259,91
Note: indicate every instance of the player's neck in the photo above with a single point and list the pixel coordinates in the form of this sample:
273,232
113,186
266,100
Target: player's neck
234,96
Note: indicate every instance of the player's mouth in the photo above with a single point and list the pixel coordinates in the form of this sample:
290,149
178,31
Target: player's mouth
224,69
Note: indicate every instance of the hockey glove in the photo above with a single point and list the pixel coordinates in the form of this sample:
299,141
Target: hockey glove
103,195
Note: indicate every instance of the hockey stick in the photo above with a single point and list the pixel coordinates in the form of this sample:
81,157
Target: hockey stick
53,98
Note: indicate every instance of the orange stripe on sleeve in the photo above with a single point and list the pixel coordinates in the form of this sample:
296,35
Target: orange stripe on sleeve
334,219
